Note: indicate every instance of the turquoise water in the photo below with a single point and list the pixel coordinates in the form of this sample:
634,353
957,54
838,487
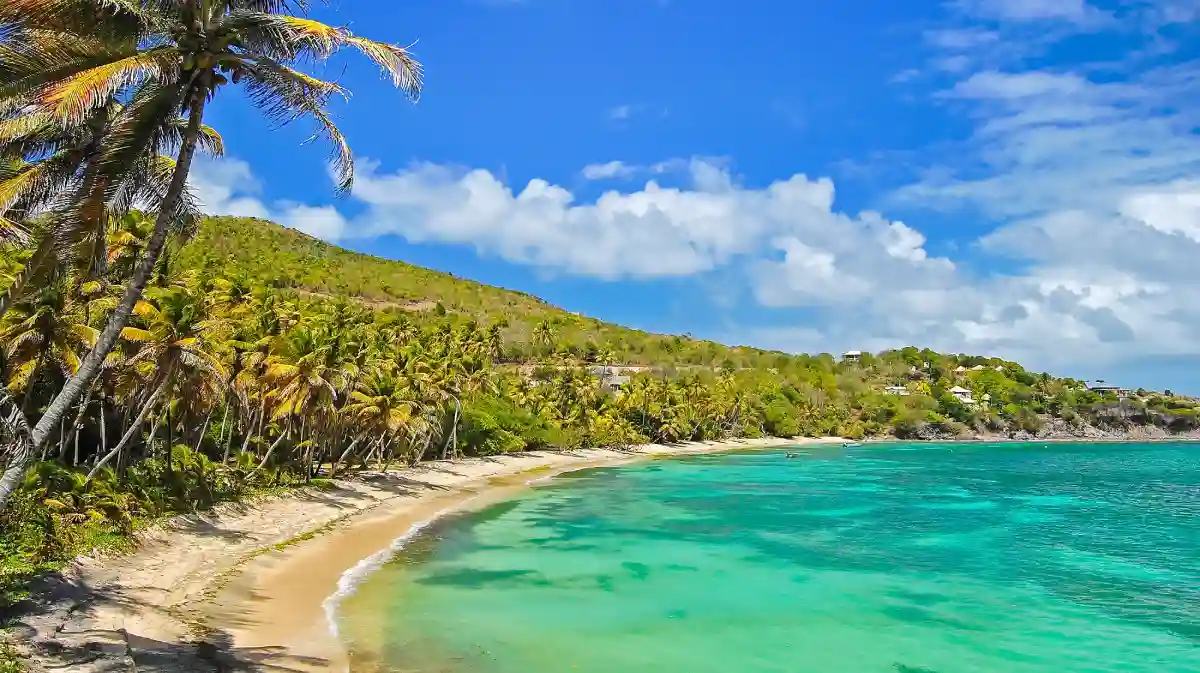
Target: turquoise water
888,558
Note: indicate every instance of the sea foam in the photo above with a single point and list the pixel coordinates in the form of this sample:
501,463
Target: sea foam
350,580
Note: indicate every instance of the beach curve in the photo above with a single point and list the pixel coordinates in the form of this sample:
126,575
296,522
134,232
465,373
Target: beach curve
258,584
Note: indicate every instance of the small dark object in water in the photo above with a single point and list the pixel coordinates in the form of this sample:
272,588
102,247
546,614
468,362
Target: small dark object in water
793,455
901,668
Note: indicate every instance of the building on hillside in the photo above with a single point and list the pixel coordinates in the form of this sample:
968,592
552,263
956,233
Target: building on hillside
612,370
999,368
612,378
1103,388
962,394
852,356
900,391
960,370
614,382
978,368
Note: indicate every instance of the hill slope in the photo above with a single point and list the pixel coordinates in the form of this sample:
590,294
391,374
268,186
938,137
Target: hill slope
263,252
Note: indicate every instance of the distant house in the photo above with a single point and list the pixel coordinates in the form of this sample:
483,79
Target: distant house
852,356
999,368
962,394
978,368
612,378
960,370
614,382
1103,388
896,390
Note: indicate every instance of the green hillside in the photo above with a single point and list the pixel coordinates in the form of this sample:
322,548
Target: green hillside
262,252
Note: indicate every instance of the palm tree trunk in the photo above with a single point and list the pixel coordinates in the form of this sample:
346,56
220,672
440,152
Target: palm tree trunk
453,437
170,439
90,366
229,441
333,472
103,428
203,430
62,440
221,434
379,450
250,431
424,447
77,425
270,450
137,424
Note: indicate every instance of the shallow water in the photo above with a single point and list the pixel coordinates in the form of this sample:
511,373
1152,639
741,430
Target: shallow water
887,558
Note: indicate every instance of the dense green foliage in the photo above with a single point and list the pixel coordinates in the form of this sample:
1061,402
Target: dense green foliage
261,358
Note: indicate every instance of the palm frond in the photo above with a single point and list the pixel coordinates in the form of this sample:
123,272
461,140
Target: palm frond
406,73
27,66
72,98
138,129
286,38
136,334
286,94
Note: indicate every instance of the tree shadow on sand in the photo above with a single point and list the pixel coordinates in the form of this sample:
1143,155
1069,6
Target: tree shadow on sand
57,629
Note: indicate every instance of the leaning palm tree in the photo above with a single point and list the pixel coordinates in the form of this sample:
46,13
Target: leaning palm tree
160,57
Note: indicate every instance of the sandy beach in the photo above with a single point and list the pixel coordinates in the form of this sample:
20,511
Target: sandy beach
253,586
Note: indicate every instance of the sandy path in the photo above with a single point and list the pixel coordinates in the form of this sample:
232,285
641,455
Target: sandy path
237,589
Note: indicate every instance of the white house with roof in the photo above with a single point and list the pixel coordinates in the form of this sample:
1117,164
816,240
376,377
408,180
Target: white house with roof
1102,388
614,378
962,394
852,356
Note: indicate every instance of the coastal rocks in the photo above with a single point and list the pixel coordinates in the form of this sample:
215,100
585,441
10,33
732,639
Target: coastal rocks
1051,429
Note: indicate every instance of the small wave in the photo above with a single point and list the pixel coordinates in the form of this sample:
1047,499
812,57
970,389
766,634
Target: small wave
350,580
539,480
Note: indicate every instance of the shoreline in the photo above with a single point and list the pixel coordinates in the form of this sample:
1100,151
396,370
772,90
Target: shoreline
256,584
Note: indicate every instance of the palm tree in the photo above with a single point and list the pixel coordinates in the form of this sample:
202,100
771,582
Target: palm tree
301,378
45,329
543,335
70,58
172,347
384,406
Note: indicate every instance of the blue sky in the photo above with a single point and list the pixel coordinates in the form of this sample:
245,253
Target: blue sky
1008,177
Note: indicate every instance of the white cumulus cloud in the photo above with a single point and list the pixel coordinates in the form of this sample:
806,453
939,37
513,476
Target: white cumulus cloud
608,170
